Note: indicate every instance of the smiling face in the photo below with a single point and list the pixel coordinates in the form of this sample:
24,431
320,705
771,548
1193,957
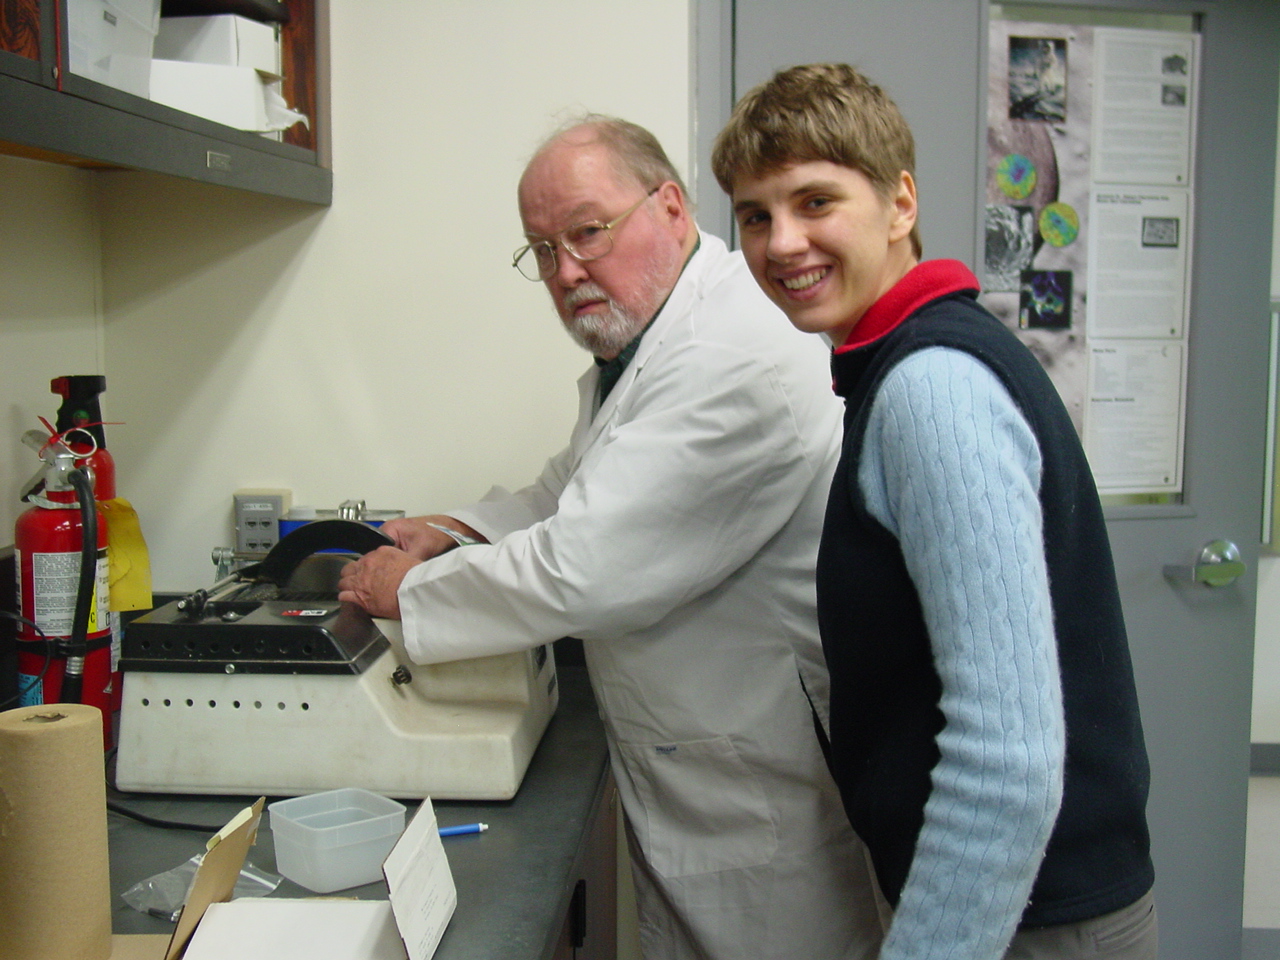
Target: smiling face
823,243
604,303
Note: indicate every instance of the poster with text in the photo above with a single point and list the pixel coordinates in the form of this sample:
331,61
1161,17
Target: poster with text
1090,135
1134,427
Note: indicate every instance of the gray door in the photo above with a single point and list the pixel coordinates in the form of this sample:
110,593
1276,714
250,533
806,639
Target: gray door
1192,646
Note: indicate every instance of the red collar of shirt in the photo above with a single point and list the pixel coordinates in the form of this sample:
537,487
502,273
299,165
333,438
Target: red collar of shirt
923,283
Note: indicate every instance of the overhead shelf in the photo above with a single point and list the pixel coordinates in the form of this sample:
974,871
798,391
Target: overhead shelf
85,123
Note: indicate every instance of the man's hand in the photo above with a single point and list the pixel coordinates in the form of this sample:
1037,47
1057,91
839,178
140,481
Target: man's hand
416,537
372,581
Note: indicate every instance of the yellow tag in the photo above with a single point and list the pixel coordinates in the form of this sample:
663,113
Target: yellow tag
129,563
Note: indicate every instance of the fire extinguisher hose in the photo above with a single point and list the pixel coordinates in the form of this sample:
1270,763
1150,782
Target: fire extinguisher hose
73,678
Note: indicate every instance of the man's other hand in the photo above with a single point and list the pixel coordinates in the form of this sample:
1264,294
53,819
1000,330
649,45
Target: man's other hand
417,537
372,581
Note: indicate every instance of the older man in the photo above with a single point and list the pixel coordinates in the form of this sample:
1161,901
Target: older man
676,535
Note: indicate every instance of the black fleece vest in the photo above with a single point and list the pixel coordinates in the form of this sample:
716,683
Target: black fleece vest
885,689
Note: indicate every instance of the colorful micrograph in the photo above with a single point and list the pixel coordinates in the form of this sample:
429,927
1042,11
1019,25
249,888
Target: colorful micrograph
1045,300
1059,224
1016,176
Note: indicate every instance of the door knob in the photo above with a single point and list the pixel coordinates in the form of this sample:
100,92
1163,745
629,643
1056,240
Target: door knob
1218,564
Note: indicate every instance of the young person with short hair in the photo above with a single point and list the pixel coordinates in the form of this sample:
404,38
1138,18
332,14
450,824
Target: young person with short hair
985,732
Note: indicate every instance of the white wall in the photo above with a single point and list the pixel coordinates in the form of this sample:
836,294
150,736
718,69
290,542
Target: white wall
383,348
50,305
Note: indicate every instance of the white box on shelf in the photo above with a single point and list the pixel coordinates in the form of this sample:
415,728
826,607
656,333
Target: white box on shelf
111,41
234,96
226,39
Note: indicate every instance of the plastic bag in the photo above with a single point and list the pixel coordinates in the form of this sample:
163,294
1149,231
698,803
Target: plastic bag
164,894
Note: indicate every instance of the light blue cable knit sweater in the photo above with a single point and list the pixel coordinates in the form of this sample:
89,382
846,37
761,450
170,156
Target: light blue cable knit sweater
951,468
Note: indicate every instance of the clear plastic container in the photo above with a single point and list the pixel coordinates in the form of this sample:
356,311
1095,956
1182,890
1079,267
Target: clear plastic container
336,839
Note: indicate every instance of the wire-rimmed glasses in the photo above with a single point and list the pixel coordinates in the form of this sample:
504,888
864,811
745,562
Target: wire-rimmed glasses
583,241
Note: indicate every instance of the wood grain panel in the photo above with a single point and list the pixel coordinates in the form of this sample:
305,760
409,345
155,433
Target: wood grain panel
20,27
298,53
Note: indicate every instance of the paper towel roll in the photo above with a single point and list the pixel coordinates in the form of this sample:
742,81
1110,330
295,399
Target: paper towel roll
55,886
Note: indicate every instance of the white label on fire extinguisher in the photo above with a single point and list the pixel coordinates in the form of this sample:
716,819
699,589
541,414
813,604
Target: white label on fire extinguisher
55,580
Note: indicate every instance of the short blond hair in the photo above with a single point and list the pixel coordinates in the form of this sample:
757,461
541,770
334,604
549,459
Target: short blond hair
818,111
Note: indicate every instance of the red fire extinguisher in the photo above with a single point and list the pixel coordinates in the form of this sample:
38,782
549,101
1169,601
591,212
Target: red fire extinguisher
63,586
80,425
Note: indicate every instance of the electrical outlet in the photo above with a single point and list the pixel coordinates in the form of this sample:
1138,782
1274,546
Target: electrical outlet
257,519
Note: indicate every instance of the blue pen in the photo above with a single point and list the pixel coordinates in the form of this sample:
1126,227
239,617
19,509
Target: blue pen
464,828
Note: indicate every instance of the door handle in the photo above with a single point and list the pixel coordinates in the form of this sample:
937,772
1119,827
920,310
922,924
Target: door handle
1218,564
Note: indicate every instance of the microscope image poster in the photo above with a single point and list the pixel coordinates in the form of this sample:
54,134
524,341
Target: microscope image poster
1089,167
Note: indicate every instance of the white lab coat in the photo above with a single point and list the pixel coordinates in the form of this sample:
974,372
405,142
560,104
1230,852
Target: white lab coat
677,536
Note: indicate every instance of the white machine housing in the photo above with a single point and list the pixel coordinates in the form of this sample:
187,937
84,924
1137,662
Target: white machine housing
454,731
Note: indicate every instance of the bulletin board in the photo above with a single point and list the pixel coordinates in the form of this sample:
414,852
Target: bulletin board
1090,167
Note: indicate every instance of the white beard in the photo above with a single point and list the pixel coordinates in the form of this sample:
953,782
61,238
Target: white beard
603,334
607,334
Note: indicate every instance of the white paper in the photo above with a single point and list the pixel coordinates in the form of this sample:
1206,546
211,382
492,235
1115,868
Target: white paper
423,895
1138,254
1133,424
313,929
1145,100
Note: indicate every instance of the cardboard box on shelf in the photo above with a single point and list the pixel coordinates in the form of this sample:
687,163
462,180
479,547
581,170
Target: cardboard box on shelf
225,39
239,97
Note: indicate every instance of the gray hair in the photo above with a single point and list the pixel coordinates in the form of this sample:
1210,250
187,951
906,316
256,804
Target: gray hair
637,154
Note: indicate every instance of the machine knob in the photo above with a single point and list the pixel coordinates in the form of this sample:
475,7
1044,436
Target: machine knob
193,604
401,675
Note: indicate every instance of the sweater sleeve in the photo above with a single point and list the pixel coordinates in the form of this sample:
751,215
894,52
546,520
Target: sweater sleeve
952,469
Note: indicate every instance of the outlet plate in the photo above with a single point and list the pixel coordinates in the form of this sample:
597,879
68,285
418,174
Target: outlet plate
257,515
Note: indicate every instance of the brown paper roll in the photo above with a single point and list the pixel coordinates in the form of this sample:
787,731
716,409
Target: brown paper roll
55,886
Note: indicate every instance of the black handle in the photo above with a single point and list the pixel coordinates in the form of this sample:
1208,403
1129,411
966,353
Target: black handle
350,535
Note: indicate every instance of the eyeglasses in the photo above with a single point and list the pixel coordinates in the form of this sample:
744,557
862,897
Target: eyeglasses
583,241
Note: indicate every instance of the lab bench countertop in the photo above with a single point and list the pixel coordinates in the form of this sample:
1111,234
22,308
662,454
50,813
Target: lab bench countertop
515,881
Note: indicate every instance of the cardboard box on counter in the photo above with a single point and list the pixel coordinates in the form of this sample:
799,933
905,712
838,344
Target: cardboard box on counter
226,39
214,927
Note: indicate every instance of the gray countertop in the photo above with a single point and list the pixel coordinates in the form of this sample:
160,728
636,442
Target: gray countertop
513,881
